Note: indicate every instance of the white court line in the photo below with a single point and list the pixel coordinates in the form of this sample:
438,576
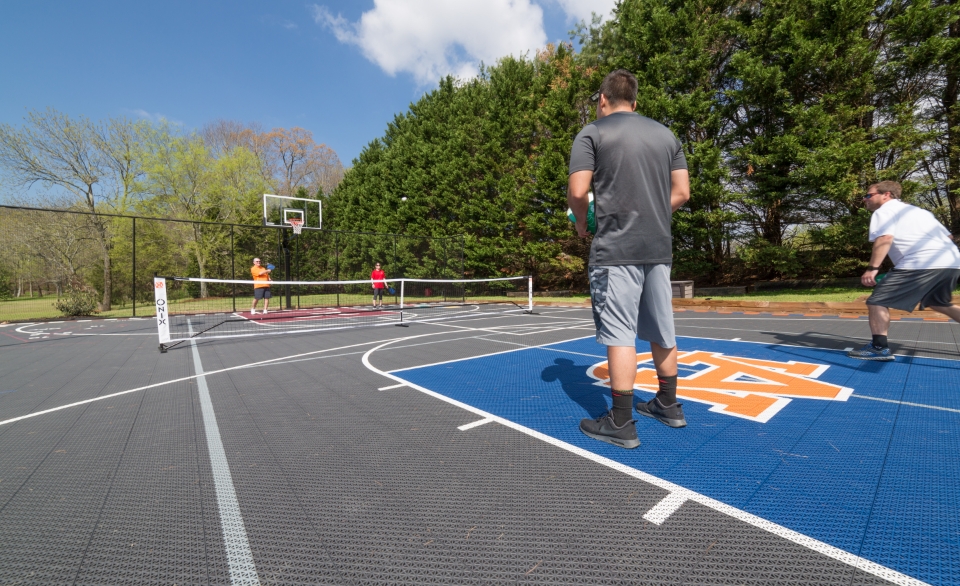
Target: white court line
391,386
467,426
915,320
795,345
480,355
177,380
666,507
815,334
907,403
749,518
272,361
243,571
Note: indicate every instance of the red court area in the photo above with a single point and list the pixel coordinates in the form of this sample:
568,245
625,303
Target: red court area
288,316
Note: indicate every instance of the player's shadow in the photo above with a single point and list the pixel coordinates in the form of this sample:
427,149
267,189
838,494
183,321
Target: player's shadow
577,385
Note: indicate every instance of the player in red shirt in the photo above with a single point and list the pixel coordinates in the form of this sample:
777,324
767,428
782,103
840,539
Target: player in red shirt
377,280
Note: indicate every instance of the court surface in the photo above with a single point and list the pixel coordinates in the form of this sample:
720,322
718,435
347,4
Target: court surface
448,453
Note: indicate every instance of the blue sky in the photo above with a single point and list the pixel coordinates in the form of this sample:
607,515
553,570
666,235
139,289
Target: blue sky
339,69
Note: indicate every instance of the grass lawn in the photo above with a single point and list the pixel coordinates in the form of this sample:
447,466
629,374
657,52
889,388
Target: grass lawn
42,308
27,309
842,294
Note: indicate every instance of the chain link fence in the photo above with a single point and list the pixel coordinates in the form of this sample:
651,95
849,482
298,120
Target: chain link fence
64,263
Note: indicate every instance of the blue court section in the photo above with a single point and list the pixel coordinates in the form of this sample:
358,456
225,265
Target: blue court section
879,479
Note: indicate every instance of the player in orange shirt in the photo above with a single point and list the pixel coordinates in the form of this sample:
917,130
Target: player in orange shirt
261,286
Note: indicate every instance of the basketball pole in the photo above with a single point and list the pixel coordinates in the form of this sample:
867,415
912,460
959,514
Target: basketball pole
286,265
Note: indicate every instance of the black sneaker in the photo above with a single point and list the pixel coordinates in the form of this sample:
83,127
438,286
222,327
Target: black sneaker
604,429
672,415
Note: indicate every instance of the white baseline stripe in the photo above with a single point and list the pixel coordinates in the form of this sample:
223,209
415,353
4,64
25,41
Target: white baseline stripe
749,518
907,403
392,387
467,426
243,571
280,360
666,507
791,345
816,334
480,355
177,380
778,318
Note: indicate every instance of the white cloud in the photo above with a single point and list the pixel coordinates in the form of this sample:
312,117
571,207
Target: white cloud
156,117
433,38
578,10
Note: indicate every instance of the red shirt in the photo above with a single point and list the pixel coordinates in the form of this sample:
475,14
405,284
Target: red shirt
377,277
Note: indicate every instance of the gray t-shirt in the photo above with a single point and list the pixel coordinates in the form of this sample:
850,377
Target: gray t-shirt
631,157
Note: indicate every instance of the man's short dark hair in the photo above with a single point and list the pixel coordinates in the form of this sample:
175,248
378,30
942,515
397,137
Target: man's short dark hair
894,188
619,86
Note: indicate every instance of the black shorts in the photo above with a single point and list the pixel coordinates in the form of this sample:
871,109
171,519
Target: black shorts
378,294
262,293
903,289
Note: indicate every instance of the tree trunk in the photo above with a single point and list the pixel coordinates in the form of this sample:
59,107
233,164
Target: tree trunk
201,258
107,280
104,236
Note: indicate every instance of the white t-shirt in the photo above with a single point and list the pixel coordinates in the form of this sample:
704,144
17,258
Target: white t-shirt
919,240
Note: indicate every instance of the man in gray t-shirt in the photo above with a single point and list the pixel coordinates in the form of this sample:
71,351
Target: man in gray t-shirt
639,175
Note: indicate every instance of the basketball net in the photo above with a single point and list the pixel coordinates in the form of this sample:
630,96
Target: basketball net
297,225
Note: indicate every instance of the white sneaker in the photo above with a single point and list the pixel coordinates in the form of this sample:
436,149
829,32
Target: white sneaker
253,312
264,312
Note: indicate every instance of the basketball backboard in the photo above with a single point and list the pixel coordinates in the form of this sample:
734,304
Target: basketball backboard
278,210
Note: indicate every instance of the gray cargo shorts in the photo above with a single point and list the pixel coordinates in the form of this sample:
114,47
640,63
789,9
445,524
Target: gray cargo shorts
904,289
632,301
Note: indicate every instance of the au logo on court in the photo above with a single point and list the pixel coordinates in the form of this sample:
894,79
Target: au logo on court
742,387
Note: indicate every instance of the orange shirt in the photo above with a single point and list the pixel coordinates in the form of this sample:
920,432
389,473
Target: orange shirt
261,276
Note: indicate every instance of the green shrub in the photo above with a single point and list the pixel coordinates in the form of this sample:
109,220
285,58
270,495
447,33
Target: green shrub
77,302
771,261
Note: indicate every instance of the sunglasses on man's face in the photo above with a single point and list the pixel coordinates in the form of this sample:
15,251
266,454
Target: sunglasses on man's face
869,195
595,97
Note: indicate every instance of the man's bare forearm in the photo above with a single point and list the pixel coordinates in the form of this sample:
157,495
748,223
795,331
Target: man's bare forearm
578,198
679,188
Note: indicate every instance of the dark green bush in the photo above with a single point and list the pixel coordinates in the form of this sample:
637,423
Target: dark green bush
76,302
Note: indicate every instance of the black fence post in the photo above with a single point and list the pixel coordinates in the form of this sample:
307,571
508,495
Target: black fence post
233,271
336,260
133,282
285,242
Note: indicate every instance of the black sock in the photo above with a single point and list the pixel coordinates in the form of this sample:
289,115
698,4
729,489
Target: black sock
667,395
622,407
879,341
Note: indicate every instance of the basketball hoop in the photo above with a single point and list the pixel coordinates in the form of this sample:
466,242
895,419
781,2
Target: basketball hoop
296,224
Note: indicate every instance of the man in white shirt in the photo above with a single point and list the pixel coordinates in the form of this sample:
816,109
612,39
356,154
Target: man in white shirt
925,259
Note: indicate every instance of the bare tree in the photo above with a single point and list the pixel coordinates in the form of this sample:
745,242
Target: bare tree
289,158
303,162
57,152
120,143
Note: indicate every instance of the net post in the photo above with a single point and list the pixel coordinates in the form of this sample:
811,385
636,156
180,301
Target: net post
401,324
133,270
530,294
163,313
233,271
